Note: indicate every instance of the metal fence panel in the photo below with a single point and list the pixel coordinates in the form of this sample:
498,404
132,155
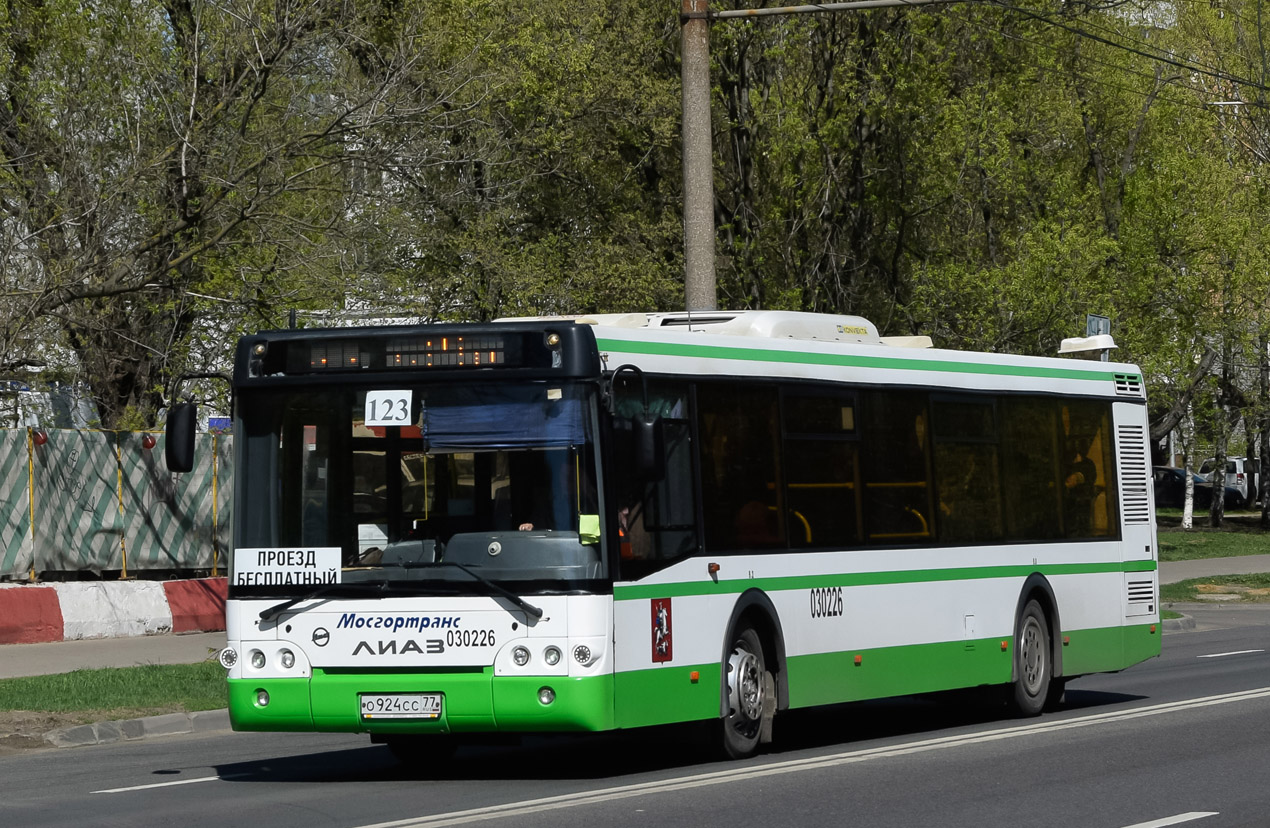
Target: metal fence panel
77,521
103,501
168,517
15,500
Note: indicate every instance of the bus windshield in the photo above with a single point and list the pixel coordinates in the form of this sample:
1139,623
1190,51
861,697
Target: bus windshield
415,484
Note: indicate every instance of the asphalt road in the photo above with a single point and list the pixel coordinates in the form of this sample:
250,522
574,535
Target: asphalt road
1181,740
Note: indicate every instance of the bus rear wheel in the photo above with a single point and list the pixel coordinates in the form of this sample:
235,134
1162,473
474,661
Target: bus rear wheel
745,675
1032,662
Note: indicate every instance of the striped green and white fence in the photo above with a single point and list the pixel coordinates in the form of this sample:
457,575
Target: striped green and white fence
104,501
15,500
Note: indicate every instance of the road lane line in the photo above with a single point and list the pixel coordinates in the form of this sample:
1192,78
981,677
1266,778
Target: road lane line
1223,655
1174,820
743,774
172,784
160,785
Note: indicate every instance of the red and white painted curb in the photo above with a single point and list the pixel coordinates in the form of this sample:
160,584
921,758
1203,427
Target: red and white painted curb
34,613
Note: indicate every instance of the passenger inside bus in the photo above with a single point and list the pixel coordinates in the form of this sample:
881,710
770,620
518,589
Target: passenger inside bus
1081,484
758,526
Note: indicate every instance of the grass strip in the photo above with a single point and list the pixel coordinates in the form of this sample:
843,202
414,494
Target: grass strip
1248,588
120,693
1196,544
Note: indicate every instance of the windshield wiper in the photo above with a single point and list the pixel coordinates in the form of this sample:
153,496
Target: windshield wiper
358,586
384,585
486,582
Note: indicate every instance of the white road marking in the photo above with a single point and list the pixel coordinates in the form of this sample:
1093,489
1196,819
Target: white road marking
1174,820
162,784
742,774
1223,655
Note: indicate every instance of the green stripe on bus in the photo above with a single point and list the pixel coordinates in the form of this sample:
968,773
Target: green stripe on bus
925,668
473,702
853,360
667,694
854,579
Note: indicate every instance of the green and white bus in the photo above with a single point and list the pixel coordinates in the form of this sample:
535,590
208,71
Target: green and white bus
611,522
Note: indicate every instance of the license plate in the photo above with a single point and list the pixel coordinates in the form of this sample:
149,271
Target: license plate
401,705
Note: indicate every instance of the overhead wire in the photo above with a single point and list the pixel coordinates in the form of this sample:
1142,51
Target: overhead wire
1093,23
1092,79
1161,55
1139,48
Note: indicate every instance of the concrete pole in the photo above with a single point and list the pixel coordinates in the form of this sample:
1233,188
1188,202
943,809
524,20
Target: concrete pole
700,288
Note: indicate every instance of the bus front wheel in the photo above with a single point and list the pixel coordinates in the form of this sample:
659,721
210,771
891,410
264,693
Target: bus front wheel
745,671
1032,662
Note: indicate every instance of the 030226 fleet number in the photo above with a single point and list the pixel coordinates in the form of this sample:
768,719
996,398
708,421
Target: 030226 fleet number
469,638
826,602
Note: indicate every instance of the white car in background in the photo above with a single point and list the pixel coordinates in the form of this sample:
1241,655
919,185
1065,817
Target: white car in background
1242,473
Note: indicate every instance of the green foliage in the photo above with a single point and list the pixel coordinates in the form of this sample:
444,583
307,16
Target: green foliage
987,176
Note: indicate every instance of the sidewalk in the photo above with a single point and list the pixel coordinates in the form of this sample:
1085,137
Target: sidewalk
1173,571
89,654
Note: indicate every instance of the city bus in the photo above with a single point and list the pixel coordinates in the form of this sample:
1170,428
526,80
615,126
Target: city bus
445,532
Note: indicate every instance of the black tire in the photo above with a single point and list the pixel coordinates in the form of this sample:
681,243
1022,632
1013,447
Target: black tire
743,675
1033,663
423,753
1057,694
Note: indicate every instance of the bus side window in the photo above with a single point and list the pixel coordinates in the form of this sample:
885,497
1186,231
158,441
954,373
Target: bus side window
741,495
1087,471
656,519
895,447
967,470
822,492
660,523
1030,455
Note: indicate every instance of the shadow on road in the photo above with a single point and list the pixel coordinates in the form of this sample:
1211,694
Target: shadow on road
617,755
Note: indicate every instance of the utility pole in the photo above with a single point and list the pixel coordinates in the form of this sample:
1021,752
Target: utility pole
700,285
700,289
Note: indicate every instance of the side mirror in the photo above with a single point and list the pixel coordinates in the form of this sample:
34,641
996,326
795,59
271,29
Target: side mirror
178,448
649,444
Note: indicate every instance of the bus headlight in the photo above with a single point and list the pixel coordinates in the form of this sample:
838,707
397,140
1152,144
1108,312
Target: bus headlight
288,659
520,655
582,654
257,659
552,656
546,695
228,658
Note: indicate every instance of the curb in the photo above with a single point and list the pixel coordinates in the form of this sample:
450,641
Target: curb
131,730
1186,622
41,613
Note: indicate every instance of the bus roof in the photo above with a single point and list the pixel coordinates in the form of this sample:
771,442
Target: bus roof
837,348
766,324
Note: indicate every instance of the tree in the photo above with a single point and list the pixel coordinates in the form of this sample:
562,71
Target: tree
153,157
